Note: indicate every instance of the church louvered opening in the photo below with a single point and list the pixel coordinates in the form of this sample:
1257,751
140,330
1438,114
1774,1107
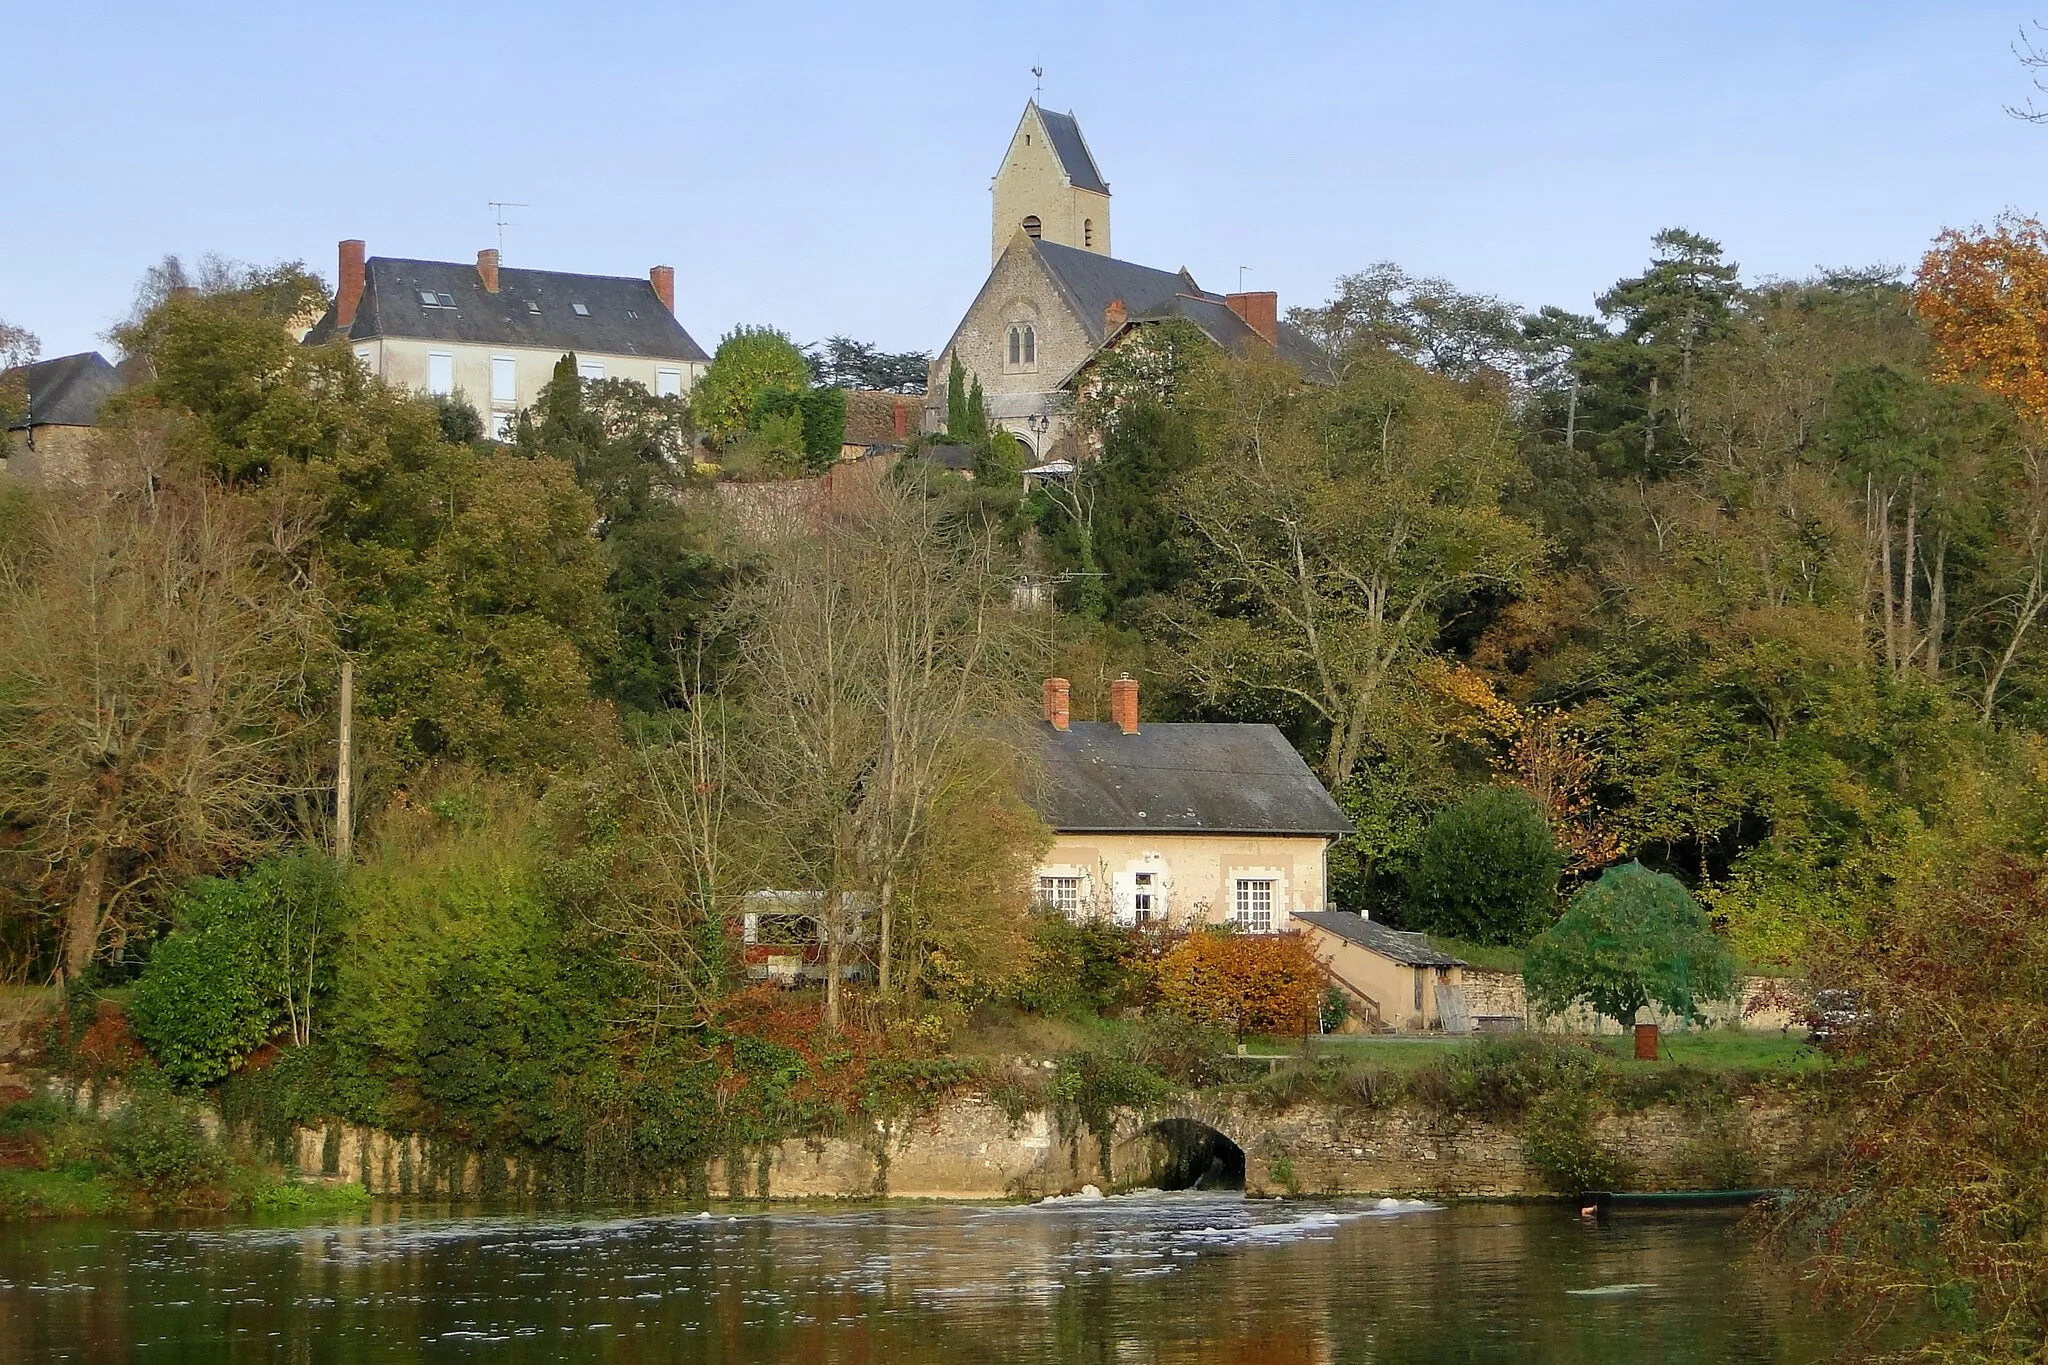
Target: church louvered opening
1031,225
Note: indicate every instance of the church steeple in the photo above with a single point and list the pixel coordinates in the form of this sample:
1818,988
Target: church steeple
1049,186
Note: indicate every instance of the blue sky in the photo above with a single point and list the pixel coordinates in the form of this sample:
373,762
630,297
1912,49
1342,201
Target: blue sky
825,168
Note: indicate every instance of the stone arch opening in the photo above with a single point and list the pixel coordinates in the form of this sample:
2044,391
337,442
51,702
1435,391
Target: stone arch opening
1187,1154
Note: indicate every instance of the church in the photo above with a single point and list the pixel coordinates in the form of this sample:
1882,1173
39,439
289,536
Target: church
1055,298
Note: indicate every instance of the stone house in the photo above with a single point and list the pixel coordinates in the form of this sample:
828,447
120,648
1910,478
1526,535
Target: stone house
1055,299
1181,823
494,334
1392,978
60,401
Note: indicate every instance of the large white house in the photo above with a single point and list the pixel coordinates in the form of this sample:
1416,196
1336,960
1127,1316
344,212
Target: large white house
494,334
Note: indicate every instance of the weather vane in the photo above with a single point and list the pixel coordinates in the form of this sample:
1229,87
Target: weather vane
1038,86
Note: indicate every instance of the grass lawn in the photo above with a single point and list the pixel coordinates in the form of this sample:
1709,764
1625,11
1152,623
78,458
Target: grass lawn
1709,1050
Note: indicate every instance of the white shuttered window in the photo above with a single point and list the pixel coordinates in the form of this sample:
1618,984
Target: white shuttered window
504,381
440,373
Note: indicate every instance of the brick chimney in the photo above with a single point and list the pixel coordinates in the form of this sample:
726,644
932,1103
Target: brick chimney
487,269
1261,313
1115,316
348,282
663,278
1058,692
902,415
1123,704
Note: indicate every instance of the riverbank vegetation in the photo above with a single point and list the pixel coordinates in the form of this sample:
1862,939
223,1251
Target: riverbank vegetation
688,814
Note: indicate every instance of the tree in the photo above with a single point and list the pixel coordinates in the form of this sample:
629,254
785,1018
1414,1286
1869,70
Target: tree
1329,529
748,360
843,363
1247,983
820,417
157,696
878,660
1633,938
1485,870
18,347
1428,321
966,420
1139,542
1983,297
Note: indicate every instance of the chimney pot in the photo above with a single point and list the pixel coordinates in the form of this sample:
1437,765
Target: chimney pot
1058,695
1123,704
487,269
1115,316
348,283
1261,313
663,278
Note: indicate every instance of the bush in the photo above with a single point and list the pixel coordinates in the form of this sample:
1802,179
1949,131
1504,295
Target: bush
1247,983
1090,967
1558,1140
157,1144
1486,869
247,954
1500,1079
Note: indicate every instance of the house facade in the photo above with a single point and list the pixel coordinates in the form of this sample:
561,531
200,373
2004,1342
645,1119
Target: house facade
1181,823
1055,299
494,334
1393,979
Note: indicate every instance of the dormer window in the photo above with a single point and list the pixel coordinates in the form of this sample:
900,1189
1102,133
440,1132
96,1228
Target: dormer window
581,310
1031,226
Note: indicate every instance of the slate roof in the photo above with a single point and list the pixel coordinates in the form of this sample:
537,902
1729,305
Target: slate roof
1209,779
67,391
1094,281
626,315
1412,950
1064,133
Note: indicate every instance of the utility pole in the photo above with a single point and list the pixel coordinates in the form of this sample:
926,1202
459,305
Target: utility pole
344,823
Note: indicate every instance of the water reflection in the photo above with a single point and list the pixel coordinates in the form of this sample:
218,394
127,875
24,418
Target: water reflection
1156,1278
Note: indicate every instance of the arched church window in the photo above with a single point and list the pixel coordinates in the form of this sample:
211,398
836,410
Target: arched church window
1030,344
1016,345
1031,225
1087,232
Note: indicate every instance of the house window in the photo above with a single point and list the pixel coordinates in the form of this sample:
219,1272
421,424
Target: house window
1031,225
440,373
363,358
1144,897
1087,232
504,380
501,426
668,383
581,310
533,308
430,299
1060,893
1254,907
590,369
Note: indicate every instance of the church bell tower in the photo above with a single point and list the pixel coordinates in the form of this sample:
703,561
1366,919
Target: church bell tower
1049,186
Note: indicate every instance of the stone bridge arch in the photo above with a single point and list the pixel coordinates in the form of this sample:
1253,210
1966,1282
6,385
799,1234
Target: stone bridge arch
1186,1146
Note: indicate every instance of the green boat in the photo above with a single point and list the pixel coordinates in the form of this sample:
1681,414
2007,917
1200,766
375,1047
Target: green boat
1678,1199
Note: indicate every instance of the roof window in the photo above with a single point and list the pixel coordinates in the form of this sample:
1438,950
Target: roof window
533,307
633,315
581,310
430,299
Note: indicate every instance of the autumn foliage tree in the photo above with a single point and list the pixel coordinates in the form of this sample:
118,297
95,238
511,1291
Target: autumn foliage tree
1247,983
1983,297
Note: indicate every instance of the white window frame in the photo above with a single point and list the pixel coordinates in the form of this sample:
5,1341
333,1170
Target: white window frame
668,383
446,358
363,359
589,370
1060,891
501,425
508,367
1252,903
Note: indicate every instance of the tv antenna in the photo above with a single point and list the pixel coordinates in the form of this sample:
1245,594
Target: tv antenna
1038,83
498,207
1240,277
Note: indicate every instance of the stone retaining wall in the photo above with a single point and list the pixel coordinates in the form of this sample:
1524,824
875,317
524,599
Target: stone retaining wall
1764,1002
968,1148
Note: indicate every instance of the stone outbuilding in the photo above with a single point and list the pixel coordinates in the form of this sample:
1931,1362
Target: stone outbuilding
59,402
1394,979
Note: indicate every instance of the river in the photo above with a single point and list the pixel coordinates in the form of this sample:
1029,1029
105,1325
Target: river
1150,1278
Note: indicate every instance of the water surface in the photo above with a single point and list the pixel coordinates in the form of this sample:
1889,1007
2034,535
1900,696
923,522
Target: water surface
1146,1278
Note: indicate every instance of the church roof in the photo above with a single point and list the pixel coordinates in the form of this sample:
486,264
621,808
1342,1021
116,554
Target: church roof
1094,281
1064,133
546,310
67,391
